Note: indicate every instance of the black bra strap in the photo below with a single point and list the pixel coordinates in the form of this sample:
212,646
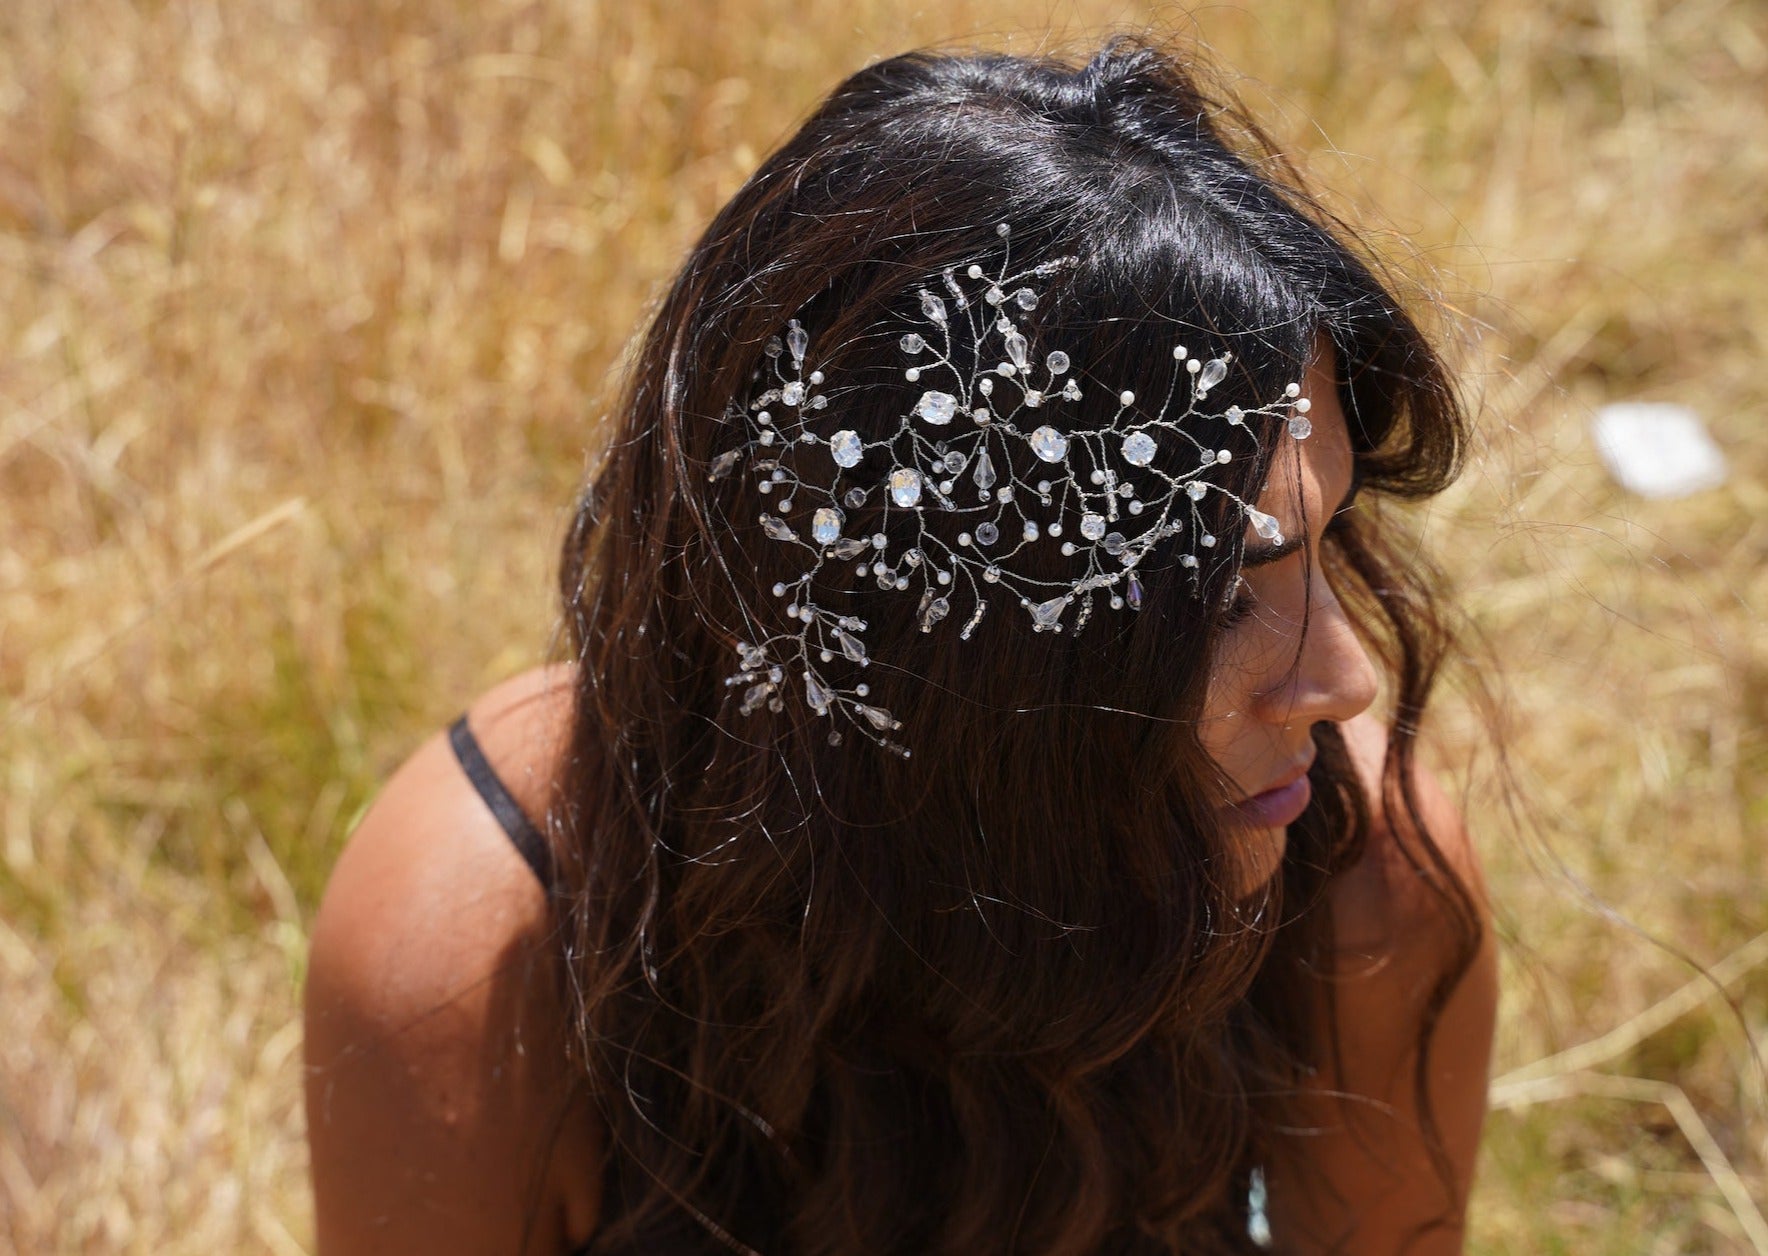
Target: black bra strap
528,841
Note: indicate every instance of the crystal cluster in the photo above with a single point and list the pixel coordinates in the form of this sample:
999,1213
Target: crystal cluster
976,443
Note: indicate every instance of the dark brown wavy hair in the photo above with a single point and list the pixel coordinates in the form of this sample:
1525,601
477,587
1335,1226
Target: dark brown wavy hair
1007,994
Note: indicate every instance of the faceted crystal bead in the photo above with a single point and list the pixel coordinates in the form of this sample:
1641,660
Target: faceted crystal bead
877,717
855,497
954,461
1092,526
816,695
932,308
1133,595
987,533
1071,390
849,547
1300,426
1025,299
1196,489
721,465
777,529
797,341
937,407
1046,615
1113,543
851,647
905,486
1138,449
1263,524
847,448
1017,349
1057,362
1049,444
933,609
983,473
792,393
825,525
911,343
1214,372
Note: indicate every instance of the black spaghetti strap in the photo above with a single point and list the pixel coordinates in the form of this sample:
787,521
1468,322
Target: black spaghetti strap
527,839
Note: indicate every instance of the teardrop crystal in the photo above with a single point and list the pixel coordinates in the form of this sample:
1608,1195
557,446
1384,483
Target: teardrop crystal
983,473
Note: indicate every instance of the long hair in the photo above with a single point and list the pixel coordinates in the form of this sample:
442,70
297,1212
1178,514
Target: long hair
1007,994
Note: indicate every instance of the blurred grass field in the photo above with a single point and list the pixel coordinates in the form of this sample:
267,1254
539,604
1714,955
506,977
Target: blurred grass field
308,308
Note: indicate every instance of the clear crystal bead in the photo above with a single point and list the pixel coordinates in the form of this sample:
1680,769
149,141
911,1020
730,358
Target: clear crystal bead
849,547
911,343
905,486
825,525
955,461
933,609
1025,299
847,448
721,465
777,529
855,498
1017,349
1138,449
1263,524
1047,615
851,646
816,695
1196,489
1057,362
987,533
1049,444
1071,390
797,341
937,407
1113,543
877,717
1214,372
1092,526
792,393
983,473
932,307
1300,426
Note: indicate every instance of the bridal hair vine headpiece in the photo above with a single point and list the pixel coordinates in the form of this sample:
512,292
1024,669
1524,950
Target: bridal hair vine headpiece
972,446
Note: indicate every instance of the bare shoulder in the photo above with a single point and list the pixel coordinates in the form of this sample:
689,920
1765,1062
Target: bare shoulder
1393,895
1366,1170
440,1109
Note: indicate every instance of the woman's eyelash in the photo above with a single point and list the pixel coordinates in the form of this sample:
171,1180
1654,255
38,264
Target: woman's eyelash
1239,605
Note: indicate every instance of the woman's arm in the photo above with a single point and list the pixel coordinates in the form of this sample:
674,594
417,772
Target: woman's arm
1358,1174
438,1099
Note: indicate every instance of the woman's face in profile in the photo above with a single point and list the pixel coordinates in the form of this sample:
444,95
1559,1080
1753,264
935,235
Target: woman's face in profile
1288,657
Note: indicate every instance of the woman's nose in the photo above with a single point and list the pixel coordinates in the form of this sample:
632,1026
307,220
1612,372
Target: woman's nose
1332,679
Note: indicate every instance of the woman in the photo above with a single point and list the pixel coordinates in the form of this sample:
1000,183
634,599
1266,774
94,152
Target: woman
959,827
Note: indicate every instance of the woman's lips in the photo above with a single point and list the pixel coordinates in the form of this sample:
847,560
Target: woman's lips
1275,808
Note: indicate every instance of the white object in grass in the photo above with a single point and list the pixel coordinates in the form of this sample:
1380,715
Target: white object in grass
1657,448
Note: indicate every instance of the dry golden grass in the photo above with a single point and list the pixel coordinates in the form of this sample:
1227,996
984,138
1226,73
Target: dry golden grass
306,310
